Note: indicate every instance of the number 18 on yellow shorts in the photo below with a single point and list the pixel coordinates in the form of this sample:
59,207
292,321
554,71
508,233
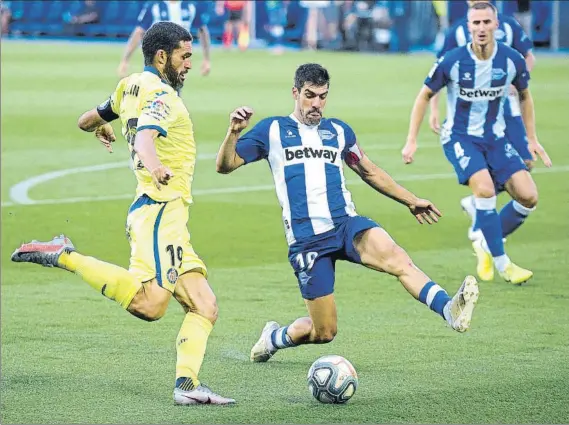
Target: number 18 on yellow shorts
160,242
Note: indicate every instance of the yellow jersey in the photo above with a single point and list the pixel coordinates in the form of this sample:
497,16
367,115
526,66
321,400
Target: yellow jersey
145,101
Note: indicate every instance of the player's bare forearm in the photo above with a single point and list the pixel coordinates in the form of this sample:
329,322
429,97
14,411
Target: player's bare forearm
205,41
418,112
382,182
528,113
530,60
133,43
145,149
227,159
90,120
434,104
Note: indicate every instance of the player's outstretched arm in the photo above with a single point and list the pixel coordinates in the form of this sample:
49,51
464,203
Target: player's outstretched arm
205,41
131,46
380,180
227,158
528,116
417,115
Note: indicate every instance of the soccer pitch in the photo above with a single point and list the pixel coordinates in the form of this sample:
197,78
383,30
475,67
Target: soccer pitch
71,356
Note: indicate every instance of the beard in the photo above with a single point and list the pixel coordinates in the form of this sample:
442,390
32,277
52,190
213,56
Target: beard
172,76
312,119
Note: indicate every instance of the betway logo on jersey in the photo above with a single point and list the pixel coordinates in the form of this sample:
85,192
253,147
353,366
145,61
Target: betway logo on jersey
487,94
297,154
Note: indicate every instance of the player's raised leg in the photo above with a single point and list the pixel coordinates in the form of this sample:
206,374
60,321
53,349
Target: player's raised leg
378,251
146,301
198,300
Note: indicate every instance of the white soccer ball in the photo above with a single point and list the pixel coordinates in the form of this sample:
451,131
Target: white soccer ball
332,379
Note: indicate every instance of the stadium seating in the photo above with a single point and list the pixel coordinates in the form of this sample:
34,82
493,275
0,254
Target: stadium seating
118,17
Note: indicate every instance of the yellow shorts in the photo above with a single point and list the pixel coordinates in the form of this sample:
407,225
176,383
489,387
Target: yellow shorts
160,242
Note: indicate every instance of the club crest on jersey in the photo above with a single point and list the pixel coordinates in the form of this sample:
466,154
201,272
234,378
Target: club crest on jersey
498,73
326,134
467,76
172,275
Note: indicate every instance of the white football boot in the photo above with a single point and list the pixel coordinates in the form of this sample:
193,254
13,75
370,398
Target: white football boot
199,395
263,350
458,311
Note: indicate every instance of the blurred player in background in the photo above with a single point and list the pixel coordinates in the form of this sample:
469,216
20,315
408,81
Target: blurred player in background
188,14
158,129
238,16
305,153
478,77
511,33
277,14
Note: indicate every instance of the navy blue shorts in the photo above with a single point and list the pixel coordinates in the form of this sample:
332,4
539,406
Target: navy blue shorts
314,259
469,155
515,129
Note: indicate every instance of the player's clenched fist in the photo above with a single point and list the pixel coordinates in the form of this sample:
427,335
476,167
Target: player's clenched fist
409,151
161,175
239,119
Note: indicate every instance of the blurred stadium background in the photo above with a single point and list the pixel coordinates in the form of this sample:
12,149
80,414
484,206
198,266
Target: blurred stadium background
70,356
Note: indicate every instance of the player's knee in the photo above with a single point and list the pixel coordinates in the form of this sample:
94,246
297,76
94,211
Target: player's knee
485,191
207,309
529,200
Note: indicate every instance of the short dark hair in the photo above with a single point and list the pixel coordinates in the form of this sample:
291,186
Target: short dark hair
311,73
484,5
163,36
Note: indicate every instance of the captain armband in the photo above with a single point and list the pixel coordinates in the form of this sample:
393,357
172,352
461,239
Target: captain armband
106,112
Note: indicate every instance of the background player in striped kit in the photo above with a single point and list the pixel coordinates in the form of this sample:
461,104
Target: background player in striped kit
478,77
184,13
511,33
305,153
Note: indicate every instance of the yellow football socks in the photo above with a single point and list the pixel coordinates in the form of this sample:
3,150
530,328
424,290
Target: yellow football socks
112,281
190,346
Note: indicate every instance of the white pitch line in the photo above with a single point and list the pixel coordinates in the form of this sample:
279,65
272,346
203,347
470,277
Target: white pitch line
20,196
19,192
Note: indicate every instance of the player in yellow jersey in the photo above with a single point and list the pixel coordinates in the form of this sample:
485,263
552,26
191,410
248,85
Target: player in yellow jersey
163,263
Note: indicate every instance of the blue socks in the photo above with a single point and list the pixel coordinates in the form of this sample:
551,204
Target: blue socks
488,221
513,216
435,297
280,339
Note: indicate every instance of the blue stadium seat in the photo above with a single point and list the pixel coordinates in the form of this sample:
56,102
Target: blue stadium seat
54,17
109,18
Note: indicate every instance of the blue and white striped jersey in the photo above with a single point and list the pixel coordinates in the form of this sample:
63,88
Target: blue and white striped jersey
509,32
181,12
477,90
306,162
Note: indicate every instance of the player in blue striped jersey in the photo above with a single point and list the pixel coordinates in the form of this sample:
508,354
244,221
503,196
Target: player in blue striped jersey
188,14
305,153
511,33
478,77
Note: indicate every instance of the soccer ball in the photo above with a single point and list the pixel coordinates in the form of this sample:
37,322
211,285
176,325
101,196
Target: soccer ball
332,379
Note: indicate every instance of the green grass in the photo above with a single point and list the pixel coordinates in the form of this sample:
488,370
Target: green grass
71,356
